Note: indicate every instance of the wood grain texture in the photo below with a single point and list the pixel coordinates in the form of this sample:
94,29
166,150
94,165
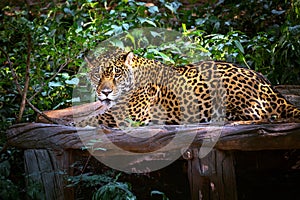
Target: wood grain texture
231,137
43,171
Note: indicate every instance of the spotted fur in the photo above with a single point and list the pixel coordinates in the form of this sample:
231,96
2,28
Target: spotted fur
146,91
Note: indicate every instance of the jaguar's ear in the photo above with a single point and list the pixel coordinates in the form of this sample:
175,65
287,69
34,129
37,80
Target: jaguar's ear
90,65
128,60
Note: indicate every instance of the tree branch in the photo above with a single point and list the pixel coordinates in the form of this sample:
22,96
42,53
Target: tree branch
23,93
15,79
54,75
51,78
41,113
27,76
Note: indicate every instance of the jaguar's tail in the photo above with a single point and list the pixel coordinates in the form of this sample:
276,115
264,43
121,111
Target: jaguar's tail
297,115
292,113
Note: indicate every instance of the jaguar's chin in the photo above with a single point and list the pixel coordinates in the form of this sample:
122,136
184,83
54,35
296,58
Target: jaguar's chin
107,102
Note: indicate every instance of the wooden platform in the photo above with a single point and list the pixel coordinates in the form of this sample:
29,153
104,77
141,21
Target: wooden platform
49,149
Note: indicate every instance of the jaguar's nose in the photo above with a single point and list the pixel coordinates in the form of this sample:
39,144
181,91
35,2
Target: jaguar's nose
106,92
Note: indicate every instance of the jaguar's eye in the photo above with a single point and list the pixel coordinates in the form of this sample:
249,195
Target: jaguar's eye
118,72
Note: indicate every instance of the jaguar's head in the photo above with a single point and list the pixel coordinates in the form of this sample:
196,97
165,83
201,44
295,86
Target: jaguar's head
111,76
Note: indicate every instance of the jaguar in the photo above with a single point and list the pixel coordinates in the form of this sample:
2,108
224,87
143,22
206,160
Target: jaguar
143,91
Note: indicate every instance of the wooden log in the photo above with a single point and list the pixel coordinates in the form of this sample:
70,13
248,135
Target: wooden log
242,137
68,115
42,170
211,177
291,93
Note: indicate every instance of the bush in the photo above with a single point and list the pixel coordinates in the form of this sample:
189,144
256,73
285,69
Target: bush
43,48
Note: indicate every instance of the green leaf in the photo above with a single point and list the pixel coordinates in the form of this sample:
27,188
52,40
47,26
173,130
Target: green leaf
153,9
73,81
278,12
173,6
156,192
117,29
117,43
217,26
55,84
78,30
184,27
114,190
109,33
125,26
143,20
239,46
132,39
165,57
156,34
200,21
68,11
140,3
295,30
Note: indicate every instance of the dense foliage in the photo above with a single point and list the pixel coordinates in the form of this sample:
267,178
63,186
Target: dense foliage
43,45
